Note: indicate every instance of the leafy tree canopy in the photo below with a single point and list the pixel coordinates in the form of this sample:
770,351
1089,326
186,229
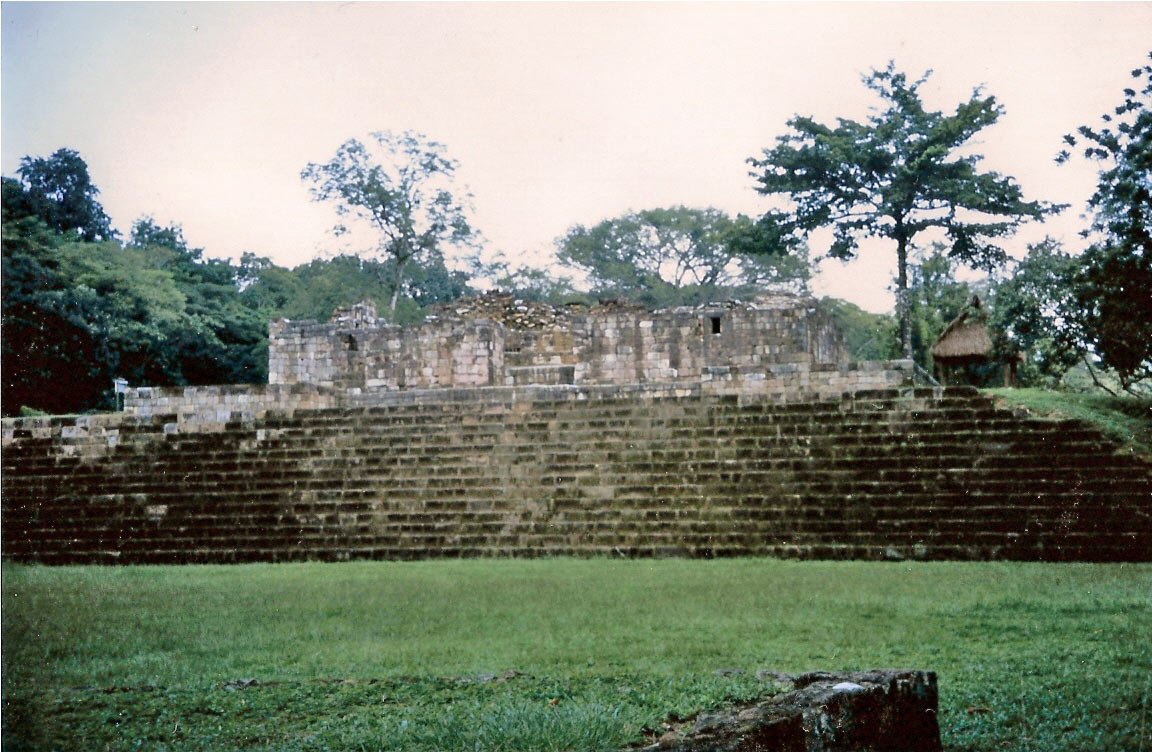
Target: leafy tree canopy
77,314
224,339
314,290
59,191
902,172
146,233
1035,310
402,187
265,287
1113,281
675,255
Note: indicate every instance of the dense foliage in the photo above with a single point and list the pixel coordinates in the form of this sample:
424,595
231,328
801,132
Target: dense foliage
1034,311
895,176
402,186
1092,310
76,315
1112,284
677,256
867,336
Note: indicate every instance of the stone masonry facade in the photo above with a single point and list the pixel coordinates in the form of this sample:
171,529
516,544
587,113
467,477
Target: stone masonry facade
782,348
507,342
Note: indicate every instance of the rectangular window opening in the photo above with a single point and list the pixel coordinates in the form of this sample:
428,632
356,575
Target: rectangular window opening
715,324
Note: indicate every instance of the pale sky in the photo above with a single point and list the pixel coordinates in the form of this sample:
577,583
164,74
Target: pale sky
205,113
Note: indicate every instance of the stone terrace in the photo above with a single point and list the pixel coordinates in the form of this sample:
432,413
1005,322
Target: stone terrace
611,471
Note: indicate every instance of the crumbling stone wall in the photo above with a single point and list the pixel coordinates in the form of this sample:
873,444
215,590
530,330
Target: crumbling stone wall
210,408
504,342
782,349
467,353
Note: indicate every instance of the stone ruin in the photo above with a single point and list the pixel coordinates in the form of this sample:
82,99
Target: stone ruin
782,348
497,340
505,428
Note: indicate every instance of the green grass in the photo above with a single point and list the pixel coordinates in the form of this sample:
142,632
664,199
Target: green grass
1126,419
394,656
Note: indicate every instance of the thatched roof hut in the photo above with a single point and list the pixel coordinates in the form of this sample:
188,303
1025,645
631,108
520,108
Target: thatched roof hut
966,342
965,339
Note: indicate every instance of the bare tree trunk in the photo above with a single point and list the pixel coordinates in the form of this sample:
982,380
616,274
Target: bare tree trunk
903,310
397,281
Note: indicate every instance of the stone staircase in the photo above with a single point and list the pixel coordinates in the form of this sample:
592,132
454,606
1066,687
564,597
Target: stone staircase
910,473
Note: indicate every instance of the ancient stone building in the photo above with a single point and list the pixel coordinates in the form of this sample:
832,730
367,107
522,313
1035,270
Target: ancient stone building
782,348
499,341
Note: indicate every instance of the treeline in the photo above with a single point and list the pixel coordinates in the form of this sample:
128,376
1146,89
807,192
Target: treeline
82,306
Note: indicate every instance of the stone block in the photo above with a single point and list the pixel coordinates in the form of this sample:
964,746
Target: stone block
871,711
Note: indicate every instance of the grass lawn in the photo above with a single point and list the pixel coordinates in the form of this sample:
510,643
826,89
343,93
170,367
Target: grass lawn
1126,419
422,655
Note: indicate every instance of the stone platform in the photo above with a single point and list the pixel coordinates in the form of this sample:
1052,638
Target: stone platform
563,471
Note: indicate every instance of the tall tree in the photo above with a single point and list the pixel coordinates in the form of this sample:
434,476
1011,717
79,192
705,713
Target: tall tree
1113,285
894,176
673,255
402,186
59,191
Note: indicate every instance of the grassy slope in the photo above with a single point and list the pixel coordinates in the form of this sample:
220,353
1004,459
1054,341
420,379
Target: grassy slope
1052,657
1126,419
